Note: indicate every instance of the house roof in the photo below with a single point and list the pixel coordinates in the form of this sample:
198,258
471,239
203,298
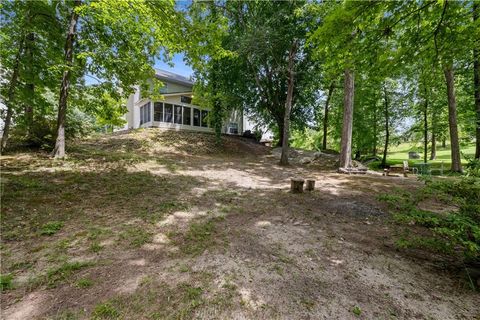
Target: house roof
173,77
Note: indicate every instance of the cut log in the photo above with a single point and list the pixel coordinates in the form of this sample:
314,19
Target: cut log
310,186
297,185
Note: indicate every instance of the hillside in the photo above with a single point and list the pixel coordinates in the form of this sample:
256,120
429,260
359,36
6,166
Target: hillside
168,225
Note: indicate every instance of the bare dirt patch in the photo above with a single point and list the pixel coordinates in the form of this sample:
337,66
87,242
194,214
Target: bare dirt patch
171,225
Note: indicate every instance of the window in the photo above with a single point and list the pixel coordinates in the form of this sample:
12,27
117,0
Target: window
158,111
233,128
178,114
196,117
186,99
187,117
145,113
168,110
204,118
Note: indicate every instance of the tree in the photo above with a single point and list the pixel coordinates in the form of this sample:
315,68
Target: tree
109,34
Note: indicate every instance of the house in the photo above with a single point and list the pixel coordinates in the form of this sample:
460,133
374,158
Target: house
176,110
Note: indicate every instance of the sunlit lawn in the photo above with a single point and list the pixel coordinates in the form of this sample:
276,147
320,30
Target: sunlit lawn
397,154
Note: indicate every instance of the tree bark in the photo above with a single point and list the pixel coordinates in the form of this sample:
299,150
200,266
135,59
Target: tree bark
11,95
433,152
374,151
30,87
325,117
288,104
59,150
452,119
444,143
346,140
476,81
425,125
387,128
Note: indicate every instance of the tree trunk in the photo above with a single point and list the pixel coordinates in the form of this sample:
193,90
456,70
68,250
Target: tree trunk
433,152
325,117
288,104
30,87
280,123
425,126
11,95
452,119
476,80
374,151
346,140
59,150
444,143
387,128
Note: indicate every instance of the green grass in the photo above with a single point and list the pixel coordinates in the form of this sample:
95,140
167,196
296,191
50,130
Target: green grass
84,283
50,228
400,153
63,273
199,237
6,282
136,236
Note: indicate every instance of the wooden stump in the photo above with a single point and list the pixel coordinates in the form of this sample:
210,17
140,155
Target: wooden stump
310,186
297,185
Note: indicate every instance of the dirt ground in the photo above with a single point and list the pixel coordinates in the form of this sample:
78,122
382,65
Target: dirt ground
167,225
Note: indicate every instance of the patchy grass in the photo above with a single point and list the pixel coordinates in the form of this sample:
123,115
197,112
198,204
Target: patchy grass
199,237
50,228
6,282
136,236
105,311
84,283
63,273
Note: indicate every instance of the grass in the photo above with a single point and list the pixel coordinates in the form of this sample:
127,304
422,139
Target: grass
50,228
199,237
6,282
63,273
397,154
136,236
84,283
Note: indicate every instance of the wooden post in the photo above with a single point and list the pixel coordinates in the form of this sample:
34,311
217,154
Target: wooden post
297,185
310,185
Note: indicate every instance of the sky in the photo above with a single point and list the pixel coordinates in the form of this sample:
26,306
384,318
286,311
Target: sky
180,67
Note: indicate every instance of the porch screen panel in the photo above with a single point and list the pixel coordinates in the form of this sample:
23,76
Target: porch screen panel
196,117
168,110
204,118
187,116
178,114
158,111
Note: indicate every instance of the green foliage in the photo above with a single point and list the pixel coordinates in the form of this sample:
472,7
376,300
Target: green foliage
6,282
50,228
472,169
450,231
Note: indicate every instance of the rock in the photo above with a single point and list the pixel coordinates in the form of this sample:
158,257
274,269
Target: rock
306,160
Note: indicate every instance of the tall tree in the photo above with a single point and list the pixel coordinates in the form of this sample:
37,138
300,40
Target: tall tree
59,150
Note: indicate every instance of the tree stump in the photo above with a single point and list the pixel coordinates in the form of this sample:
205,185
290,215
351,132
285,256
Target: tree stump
297,185
310,186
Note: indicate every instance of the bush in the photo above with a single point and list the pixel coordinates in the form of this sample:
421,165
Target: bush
450,231
472,169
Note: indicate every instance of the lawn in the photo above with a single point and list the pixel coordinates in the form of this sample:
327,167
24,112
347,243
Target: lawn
399,153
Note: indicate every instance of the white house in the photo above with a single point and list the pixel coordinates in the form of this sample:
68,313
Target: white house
176,110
